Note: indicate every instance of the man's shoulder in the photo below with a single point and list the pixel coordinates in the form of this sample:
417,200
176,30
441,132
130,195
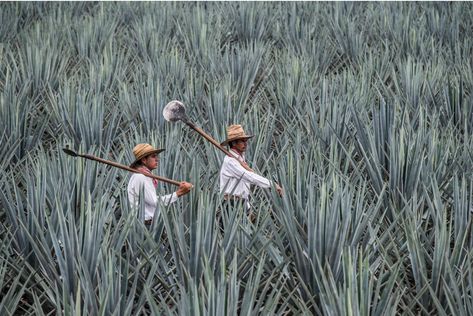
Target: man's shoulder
230,160
137,177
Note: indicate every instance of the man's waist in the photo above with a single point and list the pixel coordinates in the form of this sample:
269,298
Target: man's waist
228,197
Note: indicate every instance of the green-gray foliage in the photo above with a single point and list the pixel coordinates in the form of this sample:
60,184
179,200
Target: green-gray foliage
361,111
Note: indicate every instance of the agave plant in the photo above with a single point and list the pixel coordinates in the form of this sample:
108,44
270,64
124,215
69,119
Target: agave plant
360,111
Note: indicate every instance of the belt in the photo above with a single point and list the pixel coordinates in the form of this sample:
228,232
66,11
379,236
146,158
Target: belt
148,221
229,197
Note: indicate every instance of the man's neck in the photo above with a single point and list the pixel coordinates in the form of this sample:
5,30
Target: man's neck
144,169
238,153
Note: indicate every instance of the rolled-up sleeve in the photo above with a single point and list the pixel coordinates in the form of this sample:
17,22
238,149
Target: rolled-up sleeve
169,198
140,182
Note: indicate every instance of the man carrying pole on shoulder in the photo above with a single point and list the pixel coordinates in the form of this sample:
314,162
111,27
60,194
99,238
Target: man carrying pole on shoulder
146,160
236,177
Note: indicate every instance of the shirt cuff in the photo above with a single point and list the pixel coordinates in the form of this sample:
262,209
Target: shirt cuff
169,199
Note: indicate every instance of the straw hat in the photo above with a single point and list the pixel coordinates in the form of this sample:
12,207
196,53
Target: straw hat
142,150
235,132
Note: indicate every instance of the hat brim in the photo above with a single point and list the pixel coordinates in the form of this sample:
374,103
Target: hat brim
225,143
156,151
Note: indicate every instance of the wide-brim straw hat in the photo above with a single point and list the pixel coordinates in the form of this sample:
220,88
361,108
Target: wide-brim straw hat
142,150
235,132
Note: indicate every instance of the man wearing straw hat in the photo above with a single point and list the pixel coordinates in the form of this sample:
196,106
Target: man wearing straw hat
146,160
236,177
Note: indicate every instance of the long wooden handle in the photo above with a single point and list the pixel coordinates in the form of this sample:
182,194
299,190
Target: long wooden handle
115,164
215,143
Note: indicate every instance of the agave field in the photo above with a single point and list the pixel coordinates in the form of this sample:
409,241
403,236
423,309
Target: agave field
363,113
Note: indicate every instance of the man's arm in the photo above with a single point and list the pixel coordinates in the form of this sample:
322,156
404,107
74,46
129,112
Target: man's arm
150,197
237,171
138,183
183,189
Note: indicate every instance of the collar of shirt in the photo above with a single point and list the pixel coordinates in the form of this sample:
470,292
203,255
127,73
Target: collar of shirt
143,169
147,171
237,155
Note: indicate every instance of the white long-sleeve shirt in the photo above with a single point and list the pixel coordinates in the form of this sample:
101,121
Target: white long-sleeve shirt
140,182
236,180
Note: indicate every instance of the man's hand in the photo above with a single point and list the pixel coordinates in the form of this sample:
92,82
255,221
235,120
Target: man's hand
279,189
184,188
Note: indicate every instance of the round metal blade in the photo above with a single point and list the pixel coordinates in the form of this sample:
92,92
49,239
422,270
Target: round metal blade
174,111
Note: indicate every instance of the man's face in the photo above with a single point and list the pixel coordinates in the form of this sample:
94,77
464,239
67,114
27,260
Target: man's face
240,145
151,161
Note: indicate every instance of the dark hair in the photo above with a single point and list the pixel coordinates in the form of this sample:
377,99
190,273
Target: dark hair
233,142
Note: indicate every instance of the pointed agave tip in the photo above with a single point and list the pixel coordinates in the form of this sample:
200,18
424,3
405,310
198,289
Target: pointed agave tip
69,152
